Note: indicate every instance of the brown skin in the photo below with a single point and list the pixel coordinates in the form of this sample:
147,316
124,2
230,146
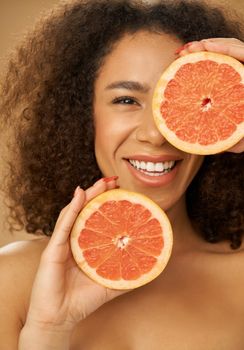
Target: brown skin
196,303
196,316
46,69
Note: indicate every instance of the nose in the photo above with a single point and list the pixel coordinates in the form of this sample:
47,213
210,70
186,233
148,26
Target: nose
147,130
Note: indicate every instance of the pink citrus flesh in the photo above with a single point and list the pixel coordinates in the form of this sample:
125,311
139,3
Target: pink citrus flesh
122,239
198,103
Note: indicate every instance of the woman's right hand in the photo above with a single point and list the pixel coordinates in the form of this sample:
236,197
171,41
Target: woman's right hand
62,294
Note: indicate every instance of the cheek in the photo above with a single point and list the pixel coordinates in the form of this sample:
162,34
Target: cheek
101,150
189,170
102,130
106,133
102,139
199,161
112,128
108,137
196,165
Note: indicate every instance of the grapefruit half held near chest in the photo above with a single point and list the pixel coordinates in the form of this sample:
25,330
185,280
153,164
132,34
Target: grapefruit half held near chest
122,239
198,103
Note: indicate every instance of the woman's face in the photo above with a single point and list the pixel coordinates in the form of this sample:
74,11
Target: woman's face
127,142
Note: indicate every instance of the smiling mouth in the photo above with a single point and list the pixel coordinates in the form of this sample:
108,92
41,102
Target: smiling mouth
153,168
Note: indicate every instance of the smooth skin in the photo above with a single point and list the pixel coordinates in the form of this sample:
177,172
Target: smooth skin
125,128
196,303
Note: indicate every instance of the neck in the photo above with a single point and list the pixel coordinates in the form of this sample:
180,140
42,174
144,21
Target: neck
185,236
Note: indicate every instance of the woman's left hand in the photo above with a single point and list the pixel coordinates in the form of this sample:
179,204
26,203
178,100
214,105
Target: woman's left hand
226,46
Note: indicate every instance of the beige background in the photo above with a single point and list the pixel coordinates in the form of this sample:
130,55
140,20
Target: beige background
16,17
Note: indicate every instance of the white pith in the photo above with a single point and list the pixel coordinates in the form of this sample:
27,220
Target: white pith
121,242
151,168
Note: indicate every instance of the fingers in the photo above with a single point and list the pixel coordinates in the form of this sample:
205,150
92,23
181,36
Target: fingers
67,218
69,214
102,185
238,148
233,49
226,46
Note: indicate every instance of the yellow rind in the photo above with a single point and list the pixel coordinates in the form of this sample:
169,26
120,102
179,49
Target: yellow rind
169,73
119,194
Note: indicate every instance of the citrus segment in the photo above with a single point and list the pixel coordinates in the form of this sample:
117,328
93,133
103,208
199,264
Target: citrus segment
198,103
98,223
116,211
151,227
91,238
146,262
131,245
151,246
111,267
129,267
97,255
137,216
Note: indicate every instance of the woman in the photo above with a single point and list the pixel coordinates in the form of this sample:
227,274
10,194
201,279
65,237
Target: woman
93,66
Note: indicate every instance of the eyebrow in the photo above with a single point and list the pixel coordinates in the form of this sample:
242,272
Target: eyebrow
129,85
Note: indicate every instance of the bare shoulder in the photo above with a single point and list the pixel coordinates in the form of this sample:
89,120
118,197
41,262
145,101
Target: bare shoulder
226,268
235,266
18,265
20,248
19,262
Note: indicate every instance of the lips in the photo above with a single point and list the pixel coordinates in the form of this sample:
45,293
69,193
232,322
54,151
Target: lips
153,170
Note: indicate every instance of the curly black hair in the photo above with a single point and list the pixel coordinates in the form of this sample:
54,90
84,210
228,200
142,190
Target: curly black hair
47,100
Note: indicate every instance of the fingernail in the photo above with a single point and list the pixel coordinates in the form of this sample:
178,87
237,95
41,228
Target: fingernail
76,191
183,48
179,49
188,44
108,179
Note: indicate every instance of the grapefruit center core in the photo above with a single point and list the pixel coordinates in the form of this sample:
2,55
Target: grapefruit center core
206,104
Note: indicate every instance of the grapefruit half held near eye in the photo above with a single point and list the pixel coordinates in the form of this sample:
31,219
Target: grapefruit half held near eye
198,103
121,239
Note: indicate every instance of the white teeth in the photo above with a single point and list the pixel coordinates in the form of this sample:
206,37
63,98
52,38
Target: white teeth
159,167
153,169
150,166
166,164
169,164
143,165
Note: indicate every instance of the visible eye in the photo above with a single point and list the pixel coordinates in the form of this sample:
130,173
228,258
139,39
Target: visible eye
125,100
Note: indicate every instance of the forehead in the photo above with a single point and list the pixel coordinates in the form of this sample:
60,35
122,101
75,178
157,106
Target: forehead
140,56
